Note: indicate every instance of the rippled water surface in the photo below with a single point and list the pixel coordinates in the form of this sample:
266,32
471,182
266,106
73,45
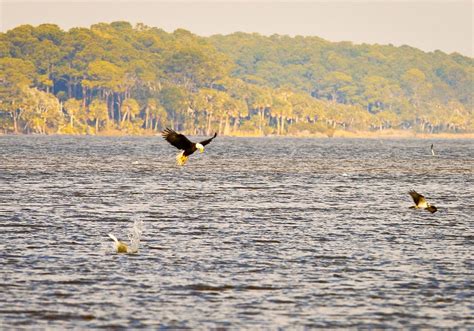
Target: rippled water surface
253,233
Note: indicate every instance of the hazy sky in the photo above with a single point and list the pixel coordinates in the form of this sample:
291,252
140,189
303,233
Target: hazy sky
446,25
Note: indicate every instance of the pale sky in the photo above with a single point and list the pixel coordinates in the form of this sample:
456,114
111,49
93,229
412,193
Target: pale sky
446,25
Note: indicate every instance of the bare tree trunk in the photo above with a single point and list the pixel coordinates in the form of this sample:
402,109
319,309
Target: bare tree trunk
260,125
119,102
147,114
15,122
221,122
278,125
110,111
193,121
236,123
125,116
209,121
111,106
69,89
422,125
227,125
84,96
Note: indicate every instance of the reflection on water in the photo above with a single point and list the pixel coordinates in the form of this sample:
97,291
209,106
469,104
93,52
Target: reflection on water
254,233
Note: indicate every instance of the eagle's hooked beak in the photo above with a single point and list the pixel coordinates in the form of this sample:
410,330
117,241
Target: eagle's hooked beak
200,147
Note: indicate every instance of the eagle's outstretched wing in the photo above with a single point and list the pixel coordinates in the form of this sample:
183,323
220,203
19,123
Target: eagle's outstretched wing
176,139
417,198
207,141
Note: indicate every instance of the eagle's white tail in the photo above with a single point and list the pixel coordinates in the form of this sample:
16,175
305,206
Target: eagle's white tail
120,247
114,238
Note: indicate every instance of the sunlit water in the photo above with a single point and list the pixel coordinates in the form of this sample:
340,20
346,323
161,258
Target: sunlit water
253,233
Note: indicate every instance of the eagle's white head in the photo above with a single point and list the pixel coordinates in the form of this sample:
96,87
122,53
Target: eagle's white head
200,147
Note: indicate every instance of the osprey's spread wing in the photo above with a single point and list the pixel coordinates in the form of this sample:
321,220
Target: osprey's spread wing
432,209
176,139
418,198
420,202
207,141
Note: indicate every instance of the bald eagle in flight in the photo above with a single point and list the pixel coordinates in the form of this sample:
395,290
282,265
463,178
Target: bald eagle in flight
181,142
421,203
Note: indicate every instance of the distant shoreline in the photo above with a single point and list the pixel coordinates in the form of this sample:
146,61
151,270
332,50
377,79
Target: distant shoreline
337,134
401,135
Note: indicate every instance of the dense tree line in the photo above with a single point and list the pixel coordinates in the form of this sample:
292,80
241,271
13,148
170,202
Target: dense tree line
115,77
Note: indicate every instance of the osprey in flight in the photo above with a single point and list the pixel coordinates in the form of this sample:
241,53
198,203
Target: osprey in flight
181,142
421,203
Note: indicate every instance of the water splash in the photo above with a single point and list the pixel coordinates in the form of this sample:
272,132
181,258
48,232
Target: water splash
135,234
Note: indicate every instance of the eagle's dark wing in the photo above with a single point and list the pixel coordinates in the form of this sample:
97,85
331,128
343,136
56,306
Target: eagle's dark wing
176,139
207,141
432,209
417,198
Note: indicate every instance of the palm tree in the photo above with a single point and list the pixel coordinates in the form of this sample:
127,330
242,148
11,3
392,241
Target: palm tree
98,112
73,107
129,110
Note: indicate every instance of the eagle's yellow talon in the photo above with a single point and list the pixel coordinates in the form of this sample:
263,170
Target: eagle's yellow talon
181,159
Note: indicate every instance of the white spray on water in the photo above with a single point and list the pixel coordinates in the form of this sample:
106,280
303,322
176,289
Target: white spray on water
135,233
